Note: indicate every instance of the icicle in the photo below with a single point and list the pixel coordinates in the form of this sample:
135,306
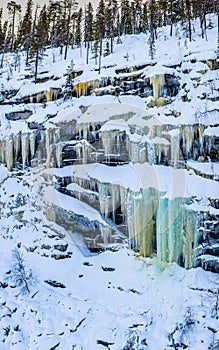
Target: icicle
107,142
151,153
84,150
2,151
106,233
85,131
17,146
188,135
32,145
142,155
175,147
176,230
59,149
81,88
48,149
191,224
56,136
134,152
48,95
9,153
201,130
158,82
25,148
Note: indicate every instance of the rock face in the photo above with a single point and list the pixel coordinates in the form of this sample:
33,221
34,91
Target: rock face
115,173
111,182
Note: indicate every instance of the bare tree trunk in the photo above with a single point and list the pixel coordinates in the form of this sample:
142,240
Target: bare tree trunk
36,65
87,56
100,56
13,22
171,17
67,33
189,19
27,56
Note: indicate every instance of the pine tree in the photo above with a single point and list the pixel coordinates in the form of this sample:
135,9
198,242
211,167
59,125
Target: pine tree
39,39
111,15
78,29
145,23
13,8
100,28
55,20
136,9
7,36
217,11
69,84
96,47
174,13
152,9
107,49
152,49
25,30
89,28
2,36
70,7
126,17
188,12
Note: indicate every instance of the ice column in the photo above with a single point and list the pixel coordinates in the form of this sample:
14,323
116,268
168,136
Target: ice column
9,153
175,147
157,82
25,148
169,229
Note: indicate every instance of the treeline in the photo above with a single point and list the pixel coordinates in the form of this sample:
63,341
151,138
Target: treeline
64,23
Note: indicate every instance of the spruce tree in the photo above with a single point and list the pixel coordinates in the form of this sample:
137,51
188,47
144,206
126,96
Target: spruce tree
39,39
100,28
69,84
188,13
13,8
107,49
78,29
145,22
175,13
111,15
136,8
55,23
70,7
2,36
25,31
126,17
88,28
152,9
7,36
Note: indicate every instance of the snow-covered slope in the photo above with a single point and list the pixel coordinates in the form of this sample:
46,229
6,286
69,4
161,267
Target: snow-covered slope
140,169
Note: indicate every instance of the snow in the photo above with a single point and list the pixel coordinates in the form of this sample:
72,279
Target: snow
205,168
139,298
212,131
71,205
4,173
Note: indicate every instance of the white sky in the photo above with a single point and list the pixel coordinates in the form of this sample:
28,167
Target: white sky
3,3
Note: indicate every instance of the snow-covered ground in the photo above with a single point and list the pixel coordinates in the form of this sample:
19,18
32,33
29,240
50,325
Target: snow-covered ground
114,297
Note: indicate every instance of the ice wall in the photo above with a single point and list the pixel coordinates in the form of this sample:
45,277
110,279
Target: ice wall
176,228
18,149
152,221
166,144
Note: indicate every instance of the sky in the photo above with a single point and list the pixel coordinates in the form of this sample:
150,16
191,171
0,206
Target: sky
3,3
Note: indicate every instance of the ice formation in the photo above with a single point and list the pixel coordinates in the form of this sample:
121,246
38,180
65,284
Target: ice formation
128,168
133,201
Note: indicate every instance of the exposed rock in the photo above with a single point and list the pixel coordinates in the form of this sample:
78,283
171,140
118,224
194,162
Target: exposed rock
55,284
108,268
